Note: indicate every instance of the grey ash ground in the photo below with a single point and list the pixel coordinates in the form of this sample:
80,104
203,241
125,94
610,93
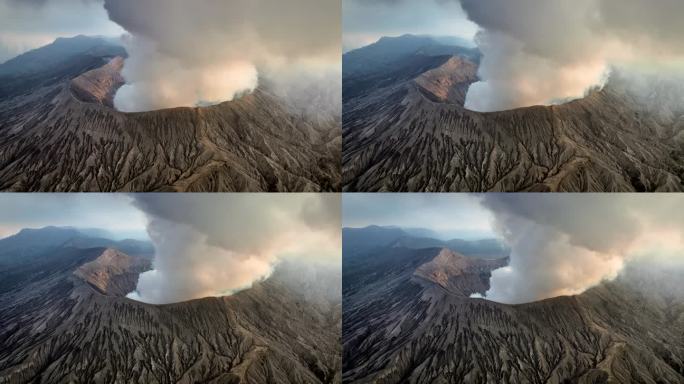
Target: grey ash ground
405,128
59,132
64,318
409,318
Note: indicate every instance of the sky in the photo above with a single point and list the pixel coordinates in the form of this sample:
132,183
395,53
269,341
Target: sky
112,212
452,215
205,244
30,24
561,244
365,21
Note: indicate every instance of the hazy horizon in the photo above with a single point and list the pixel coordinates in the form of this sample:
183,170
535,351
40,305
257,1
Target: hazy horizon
31,24
436,233
111,212
363,25
449,215
108,234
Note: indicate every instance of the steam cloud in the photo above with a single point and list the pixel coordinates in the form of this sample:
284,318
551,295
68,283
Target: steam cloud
185,53
541,52
211,245
562,245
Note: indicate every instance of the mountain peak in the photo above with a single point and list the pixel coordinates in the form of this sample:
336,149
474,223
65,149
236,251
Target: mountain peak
449,82
446,265
113,273
63,39
458,274
100,85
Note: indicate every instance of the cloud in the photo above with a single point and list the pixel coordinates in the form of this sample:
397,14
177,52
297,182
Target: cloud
209,245
544,52
565,243
193,53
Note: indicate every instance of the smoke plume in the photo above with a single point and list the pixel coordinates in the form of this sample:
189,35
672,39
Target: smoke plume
211,245
542,52
185,53
564,244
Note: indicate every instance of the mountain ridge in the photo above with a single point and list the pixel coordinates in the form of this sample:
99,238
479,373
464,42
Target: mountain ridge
358,241
113,272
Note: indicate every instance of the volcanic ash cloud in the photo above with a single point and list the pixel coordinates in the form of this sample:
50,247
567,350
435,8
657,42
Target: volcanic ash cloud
565,244
543,52
213,245
185,53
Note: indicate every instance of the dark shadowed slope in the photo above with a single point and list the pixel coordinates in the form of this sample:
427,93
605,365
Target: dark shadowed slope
408,318
60,61
395,59
29,245
405,129
66,320
65,136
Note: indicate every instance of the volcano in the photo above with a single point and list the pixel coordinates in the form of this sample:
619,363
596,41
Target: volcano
65,318
60,132
406,129
411,316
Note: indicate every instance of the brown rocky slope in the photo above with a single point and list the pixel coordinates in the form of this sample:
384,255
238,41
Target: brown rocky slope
59,326
67,137
400,327
415,135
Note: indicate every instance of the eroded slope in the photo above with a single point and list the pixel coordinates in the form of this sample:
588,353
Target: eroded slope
415,135
113,272
57,328
399,329
66,137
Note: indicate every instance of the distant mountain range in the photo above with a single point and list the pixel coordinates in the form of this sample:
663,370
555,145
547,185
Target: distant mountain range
405,128
31,244
59,132
409,317
359,241
64,318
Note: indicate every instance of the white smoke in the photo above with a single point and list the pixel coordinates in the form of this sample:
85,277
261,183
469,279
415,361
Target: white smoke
212,245
541,52
563,244
185,53
156,81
